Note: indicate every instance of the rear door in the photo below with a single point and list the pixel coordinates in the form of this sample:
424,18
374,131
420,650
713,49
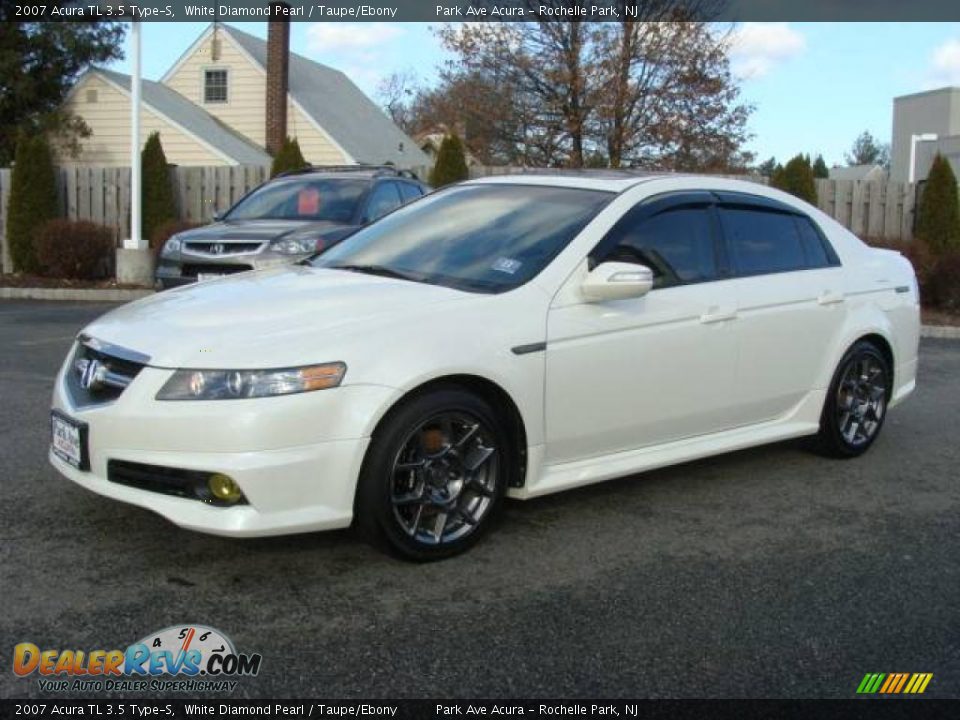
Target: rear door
790,298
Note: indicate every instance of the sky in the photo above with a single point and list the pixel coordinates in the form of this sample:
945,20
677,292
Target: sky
815,86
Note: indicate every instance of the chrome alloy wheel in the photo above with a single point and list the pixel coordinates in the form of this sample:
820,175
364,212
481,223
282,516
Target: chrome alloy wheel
861,400
444,478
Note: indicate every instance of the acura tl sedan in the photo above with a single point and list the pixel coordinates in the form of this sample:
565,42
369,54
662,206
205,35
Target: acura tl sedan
502,337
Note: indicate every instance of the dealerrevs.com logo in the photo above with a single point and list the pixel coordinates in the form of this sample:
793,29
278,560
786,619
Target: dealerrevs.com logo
185,658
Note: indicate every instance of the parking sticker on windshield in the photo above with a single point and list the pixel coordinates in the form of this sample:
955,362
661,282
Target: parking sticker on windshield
507,265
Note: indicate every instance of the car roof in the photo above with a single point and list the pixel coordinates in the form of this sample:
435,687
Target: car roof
609,180
618,181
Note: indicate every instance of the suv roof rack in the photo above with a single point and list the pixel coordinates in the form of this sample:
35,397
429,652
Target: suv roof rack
377,170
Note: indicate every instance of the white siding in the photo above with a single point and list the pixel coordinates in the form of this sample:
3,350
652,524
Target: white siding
109,120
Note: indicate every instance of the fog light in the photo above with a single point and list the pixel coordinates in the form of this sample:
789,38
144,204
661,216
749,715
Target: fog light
223,488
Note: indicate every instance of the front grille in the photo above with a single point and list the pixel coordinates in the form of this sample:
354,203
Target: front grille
100,372
192,270
190,484
217,248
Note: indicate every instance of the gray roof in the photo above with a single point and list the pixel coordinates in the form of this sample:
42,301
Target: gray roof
194,119
857,172
340,108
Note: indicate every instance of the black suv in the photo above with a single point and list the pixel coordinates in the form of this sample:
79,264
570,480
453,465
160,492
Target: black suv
291,217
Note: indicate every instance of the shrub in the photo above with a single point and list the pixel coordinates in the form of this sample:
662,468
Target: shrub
938,215
943,282
78,250
164,231
451,165
796,178
156,189
33,200
288,158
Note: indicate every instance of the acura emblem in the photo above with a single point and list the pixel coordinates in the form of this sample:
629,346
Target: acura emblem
216,249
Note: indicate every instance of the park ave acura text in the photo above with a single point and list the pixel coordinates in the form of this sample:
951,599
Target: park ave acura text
514,336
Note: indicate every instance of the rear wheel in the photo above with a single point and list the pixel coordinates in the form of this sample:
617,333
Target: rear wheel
856,404
434,475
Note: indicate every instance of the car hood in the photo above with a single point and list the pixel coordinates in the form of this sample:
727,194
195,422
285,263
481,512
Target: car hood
281,317
253,230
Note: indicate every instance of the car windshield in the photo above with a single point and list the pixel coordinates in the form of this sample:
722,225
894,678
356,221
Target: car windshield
314,199
480,238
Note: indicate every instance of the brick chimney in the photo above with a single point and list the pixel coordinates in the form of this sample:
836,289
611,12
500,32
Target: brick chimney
278,83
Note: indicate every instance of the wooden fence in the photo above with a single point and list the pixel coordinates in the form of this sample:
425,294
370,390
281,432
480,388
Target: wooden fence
102,194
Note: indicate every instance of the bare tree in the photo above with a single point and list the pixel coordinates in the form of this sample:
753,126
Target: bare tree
653,89
396,93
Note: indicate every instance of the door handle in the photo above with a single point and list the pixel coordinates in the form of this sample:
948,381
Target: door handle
828,297
718,314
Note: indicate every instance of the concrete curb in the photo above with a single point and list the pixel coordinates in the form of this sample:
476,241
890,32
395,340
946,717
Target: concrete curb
945,332
73,294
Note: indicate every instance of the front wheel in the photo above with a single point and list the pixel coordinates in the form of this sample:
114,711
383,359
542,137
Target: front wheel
434,475
856,402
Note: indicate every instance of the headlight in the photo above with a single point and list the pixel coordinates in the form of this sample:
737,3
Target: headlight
238,384
295,245
172,246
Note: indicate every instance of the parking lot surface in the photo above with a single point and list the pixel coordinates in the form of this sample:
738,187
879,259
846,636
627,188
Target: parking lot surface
767,573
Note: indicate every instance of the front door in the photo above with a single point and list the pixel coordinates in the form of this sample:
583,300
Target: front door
626,374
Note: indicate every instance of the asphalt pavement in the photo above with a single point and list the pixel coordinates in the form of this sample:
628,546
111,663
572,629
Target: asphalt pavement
770,572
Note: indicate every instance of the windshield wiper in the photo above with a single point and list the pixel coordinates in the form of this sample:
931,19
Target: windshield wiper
381,270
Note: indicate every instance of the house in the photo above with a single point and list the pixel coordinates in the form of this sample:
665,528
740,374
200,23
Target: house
430,140
226,94
863,173
925,124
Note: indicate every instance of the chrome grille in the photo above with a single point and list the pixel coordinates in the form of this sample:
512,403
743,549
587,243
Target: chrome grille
100,372
222,248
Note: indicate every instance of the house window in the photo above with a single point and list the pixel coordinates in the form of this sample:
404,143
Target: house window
214,86
91,96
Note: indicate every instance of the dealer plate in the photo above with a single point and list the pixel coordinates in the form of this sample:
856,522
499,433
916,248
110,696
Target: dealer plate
68,439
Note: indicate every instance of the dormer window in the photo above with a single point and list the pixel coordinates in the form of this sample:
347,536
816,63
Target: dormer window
215,86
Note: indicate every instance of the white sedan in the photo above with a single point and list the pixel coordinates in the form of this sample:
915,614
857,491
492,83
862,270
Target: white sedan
504,337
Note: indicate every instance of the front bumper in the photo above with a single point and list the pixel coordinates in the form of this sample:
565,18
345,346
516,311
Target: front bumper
296,458
184,268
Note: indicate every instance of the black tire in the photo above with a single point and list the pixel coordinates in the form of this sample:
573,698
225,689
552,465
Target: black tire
856,405
389,478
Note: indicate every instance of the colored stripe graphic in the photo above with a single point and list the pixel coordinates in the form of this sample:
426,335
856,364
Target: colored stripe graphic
894,683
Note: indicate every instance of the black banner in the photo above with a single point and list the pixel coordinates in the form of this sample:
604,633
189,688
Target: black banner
439,709
488,10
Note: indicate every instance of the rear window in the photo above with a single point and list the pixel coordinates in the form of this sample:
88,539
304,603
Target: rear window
308,199
409,191
813,244
761,241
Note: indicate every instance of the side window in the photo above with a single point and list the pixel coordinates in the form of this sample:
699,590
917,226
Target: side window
762,242
382,200
409,191
814,244
677,244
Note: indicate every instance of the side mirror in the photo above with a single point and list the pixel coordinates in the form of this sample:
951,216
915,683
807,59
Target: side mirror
218,215
616,281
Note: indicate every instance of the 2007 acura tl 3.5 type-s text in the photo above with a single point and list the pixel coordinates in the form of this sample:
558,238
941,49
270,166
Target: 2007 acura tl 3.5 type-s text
513,336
